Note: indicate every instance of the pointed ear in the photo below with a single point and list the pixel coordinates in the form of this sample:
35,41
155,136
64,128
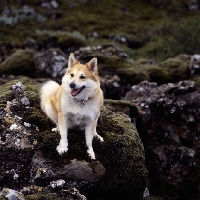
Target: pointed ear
92,65
71,61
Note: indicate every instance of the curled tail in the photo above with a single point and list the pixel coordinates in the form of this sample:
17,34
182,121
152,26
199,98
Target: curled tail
47,90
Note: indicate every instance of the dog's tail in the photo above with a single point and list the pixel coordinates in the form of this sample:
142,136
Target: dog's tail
47,90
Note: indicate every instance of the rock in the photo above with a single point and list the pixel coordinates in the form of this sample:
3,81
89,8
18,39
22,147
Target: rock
17,139
195,69
28,151
153,197
12,194
52,193
124,172
117,72
51,64
113,62
168,123
21,62
77,173
193,5
67,41
169,71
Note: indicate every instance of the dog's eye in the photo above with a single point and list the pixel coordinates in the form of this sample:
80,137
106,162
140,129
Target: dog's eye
82,77
72,75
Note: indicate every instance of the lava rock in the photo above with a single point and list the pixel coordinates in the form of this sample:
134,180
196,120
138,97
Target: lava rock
21,62
168,123
28,150
51,64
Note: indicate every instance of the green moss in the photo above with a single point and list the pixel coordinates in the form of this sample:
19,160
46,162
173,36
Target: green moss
19,63
48,142
63,39
121,153
196,79
50,196
33,114
5,93
171,70
122,150
176,68
152,197
164,32
129,71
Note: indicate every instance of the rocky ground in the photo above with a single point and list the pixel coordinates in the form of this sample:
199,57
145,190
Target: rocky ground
150,79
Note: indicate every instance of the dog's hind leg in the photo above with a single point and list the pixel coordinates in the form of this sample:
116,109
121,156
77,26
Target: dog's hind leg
98,136
89,134
50,112
95,133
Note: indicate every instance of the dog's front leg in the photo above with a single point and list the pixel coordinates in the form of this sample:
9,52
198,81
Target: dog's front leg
62,122
89,134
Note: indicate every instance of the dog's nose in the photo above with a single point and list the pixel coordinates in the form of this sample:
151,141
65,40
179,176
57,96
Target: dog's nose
72,85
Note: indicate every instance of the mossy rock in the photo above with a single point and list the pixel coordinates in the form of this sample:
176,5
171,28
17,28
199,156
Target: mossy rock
121,153
32,87
196,79
60,39
48,196
21,62
129,71
171,70
152,197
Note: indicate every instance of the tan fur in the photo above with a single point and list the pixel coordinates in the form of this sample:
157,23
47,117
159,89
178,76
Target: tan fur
76,103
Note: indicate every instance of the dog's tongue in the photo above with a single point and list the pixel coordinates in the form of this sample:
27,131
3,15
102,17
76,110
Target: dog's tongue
74,92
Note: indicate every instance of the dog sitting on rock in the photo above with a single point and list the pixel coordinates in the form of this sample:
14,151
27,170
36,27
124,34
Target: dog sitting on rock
76,103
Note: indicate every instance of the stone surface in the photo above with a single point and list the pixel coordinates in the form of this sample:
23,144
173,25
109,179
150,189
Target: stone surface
29,156
168,123
21,62
51,64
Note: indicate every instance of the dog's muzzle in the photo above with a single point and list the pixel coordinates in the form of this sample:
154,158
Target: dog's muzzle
74,90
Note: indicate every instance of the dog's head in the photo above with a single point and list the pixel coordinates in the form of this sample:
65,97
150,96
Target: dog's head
81,80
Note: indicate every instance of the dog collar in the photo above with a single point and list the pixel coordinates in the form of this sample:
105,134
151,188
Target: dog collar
84,101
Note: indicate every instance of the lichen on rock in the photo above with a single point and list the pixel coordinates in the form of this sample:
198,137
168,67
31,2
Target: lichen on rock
120,166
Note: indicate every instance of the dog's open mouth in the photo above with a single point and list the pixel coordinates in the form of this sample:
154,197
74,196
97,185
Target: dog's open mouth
75,92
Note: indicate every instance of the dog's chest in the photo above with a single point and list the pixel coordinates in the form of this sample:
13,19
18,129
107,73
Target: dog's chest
78,113
77,121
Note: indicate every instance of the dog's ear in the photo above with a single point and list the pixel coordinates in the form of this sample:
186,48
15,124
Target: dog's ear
72,60
92,65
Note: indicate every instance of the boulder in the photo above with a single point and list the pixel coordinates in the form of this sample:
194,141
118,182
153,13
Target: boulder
17,139
168,123
118,73
29,156
171,70
51,64
21,62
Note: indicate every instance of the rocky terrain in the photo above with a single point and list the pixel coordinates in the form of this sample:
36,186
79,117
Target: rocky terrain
150,120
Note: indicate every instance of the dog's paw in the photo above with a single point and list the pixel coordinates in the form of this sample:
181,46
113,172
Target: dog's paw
55,129
99,137
91,154
61,149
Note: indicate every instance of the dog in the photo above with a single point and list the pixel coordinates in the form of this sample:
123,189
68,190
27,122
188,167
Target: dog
76,103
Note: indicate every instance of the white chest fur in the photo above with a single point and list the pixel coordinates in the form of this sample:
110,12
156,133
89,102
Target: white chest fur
79,113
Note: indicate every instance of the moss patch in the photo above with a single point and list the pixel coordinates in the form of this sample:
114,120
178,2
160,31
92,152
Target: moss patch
49,196
19,63
122,151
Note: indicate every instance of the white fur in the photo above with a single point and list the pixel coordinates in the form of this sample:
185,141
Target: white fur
79,112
